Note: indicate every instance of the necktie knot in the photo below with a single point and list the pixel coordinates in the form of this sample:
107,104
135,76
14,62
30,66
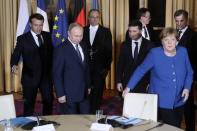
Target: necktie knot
179,34
136,43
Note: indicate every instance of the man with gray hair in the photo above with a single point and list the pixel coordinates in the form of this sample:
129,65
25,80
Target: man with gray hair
187,38
71,73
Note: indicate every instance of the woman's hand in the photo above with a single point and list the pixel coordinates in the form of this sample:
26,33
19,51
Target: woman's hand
126,90
185,94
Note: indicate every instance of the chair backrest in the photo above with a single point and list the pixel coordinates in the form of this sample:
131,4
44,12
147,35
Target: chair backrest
140,105
7,107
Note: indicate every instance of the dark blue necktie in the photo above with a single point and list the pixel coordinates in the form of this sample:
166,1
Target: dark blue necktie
179,35
136,51
145,32
39,39
78,52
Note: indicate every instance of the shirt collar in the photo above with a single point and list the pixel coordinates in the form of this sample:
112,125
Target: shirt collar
72,43
33,33
139,41
184,29
94,27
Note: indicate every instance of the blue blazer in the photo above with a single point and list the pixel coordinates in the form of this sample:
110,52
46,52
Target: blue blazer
169,76
70,75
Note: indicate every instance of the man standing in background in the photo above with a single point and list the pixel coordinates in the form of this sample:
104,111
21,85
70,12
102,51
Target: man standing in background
187,38
98,40
132,53
144,16
35,47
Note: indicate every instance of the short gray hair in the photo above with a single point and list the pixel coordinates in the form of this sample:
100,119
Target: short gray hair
72,25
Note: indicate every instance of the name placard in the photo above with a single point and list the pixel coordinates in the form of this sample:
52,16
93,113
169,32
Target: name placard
101,127
48,127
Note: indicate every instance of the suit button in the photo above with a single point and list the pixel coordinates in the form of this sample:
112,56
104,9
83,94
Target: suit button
174,86
173,73
174,80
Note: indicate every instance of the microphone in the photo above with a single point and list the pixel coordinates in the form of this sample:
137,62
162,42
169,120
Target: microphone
159,125
106,119
38,121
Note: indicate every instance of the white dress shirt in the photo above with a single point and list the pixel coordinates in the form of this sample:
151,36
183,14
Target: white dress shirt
36,37
182,32
93,30
143,33
133,45
80,49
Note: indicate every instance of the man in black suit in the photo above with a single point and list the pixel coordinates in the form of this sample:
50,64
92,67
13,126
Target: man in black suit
98,40
71,73
188,39
132,53
144,16
35,47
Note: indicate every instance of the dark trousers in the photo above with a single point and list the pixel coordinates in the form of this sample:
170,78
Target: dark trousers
29,96
189,112
171,116
81,107
97,92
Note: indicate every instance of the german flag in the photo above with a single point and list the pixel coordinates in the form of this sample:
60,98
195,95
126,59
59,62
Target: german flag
79,12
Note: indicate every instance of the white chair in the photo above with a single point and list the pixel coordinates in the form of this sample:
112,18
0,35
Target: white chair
141,105
7,107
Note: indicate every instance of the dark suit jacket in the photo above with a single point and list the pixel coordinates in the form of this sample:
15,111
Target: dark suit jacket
102,47
37,61
150,32
126,65
70,75
189,41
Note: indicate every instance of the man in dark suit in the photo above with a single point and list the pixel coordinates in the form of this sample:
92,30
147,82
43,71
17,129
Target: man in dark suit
144,16
132,53
71,73
188,39
35,47
98,40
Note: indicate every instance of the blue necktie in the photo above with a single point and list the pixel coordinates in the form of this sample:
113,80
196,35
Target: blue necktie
39,39
78,52
136,51
179,35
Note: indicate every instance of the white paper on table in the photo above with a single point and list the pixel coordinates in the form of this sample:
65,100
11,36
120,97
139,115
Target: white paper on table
100,127
48,127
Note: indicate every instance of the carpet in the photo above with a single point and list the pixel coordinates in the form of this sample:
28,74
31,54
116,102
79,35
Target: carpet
110,106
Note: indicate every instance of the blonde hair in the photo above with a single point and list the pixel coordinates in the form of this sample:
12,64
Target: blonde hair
168,31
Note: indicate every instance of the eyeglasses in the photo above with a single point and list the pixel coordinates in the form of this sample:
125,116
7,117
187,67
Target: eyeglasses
92,17
148,17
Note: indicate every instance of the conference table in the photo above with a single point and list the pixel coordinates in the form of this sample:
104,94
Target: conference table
83,123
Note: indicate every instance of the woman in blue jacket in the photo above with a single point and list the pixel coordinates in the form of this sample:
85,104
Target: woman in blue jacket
171,77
